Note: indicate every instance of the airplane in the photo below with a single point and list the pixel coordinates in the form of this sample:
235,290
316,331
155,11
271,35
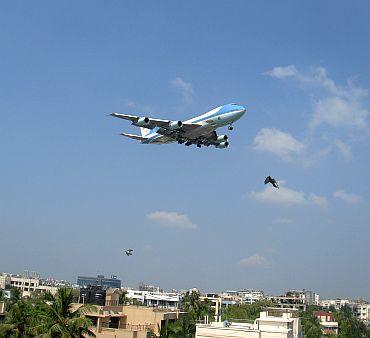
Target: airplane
200,130
129,252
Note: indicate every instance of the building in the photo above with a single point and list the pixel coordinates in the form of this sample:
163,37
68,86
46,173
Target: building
99,280
168,300
247,296
128,321
92,294
361,311
266,326
327,322
150,288
250,296
336,303
296,299
26,285
2,311
29,283
289,302
216,303
5,281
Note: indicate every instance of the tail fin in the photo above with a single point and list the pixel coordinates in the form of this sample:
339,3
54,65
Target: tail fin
145,132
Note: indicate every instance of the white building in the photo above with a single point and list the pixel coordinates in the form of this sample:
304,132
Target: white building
361,311
4,280
336,303
327,322
265,326
28,284
216,303
158,299
247,296
251,296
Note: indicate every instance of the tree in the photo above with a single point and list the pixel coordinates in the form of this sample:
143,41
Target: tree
349,325
196,308
245,311
17,321
60,320
310,324
183,328
123,297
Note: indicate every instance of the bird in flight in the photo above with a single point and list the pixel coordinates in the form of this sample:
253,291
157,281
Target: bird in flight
129,252
271,180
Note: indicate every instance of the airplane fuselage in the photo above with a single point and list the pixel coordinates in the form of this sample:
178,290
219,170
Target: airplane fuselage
210,121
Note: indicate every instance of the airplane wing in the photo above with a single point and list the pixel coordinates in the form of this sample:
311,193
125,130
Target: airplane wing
163,125
135,137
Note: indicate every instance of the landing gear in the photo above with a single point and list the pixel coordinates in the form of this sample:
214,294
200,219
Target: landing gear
199,145
231,127
180,141
188,143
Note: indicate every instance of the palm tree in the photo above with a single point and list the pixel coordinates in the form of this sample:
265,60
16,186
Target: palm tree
60,320
123,297
17,321
183,328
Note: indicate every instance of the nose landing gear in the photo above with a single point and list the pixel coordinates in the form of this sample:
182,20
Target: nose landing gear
231,127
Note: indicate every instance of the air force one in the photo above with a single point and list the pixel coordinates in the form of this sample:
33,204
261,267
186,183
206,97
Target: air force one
200,130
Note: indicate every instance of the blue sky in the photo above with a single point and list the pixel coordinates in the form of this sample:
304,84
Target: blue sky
75,194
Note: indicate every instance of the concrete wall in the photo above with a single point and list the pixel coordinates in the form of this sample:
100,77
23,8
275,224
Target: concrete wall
141,315
121,334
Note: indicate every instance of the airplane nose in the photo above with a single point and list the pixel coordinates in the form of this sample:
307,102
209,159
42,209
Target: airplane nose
242,110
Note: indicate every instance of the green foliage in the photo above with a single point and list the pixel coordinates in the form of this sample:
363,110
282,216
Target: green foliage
349,325
17,321
245,311
310,324
195,308
123,297
54,317
182,328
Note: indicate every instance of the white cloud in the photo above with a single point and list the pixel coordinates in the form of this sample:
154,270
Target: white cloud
320,201
283,196
339,111
337,106
254,261
344,149
282,72
278,142
287,197
171,219
347,197
186,88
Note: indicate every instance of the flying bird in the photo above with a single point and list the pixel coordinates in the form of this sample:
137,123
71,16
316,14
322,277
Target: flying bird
129,252
271,180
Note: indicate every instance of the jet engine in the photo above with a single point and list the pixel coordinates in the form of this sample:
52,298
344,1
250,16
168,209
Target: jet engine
142,121
223,145
222,138
175,125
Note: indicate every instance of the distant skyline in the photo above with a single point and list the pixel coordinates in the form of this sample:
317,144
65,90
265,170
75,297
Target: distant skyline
74,194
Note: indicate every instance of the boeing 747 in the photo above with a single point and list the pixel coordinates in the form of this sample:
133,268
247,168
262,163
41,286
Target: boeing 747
200,130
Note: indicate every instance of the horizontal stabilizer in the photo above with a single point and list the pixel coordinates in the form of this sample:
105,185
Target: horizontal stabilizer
135,137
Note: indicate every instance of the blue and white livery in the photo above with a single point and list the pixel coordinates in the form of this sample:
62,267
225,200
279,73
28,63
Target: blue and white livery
200,130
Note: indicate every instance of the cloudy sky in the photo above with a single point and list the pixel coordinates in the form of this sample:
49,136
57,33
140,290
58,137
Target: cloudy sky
74,193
